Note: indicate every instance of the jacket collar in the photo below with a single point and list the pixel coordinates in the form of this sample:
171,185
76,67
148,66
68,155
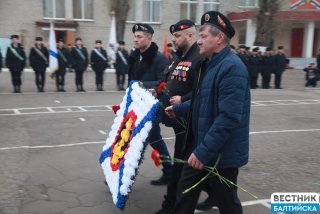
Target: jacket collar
150,53
217,57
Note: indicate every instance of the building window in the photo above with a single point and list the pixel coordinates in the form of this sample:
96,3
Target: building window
151,11
209,5
188,10
76,9
249,3
144,11
54,9
82,9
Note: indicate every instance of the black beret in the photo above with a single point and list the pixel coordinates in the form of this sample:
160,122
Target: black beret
142,27
98,41
268,49
232,47
242,46
219,21
38,38
181,25
121,43
14,36
255,49
78,38
280,47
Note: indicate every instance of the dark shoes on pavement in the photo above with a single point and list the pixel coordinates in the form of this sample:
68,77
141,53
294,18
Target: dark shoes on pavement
206,204
163,180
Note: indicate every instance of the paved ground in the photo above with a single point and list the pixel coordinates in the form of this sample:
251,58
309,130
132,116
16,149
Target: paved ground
50,144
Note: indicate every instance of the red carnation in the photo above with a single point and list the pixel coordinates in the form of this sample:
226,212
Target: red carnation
155,156
115,108
160,87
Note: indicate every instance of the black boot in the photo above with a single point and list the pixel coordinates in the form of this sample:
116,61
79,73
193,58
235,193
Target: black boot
18,89
207,204
163,180
15,89
81,88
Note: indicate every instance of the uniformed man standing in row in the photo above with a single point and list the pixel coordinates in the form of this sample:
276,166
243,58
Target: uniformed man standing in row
254,67
99,63
268,68
79,60
281,67
39,56
63,60
121,64
15,61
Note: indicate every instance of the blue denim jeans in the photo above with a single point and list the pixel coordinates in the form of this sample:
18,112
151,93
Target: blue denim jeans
156,142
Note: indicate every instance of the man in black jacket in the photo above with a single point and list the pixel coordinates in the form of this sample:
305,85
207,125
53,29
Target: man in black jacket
180,81
99,63
63,60
121,64
79,60
15,61
147,66
268,61
38,57
280,67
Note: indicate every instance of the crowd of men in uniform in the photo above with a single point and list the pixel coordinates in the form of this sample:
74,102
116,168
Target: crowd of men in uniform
69,58
265,64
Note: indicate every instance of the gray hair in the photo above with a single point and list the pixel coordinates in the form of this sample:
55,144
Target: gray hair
214,31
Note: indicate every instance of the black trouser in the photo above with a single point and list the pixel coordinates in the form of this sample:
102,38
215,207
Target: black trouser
60,77
99,77
120,79
277,80
79,77
312,82
172,187
156,142
266,81
253,81
227,197
40,79
16,78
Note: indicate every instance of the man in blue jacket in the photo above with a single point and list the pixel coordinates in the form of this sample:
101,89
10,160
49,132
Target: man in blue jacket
218,131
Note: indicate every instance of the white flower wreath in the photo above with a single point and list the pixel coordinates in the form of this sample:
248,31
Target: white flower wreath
121,166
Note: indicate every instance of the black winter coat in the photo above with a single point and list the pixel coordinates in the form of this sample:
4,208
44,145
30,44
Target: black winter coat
97,63
120,66
13,63
149,66
269,64
254,65
38,63
78,63
63,58
280,63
